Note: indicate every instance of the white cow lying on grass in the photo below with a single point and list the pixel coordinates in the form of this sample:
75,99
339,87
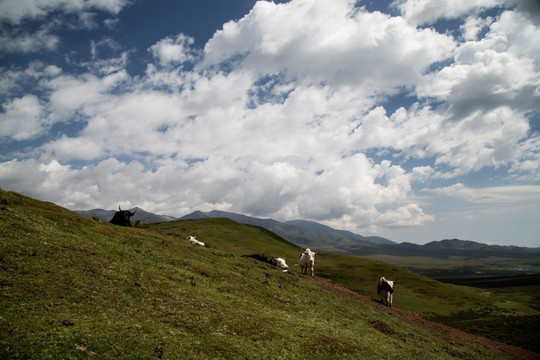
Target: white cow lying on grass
307,261
385,289
191,239
281,264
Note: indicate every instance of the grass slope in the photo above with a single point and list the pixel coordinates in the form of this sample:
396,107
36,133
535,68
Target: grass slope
72,288
415,292
470,309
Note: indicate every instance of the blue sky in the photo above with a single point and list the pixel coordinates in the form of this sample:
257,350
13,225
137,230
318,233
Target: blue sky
416,120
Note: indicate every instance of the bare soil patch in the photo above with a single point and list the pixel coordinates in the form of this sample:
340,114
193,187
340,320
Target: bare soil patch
447,333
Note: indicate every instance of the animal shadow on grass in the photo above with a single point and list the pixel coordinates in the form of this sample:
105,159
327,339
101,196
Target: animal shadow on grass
380,326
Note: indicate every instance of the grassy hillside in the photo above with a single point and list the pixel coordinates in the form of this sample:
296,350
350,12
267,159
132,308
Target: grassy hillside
416,292
72,288
230,236
466,308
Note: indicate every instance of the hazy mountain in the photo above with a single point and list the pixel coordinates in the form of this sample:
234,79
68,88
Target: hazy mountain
302,232
455,244
447,248
316,227
492,250
242,219
101,214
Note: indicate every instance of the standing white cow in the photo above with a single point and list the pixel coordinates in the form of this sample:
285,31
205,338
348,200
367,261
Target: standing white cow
281,264
307,261
385,289
191,239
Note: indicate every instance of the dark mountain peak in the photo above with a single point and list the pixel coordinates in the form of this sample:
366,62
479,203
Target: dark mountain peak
455,244
244,219
408,244
226,214
195,216
323,229
310,225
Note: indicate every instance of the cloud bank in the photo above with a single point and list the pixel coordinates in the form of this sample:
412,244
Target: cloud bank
283,113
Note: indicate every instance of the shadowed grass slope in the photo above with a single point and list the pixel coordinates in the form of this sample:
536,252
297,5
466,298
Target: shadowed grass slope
72,287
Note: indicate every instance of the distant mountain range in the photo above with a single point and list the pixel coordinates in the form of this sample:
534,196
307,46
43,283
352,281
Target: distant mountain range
447,248
302,232
324,238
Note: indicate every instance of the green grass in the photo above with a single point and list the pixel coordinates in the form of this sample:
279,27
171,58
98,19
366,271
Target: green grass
513,309
230,236
504,313
512,318
73,287
416,292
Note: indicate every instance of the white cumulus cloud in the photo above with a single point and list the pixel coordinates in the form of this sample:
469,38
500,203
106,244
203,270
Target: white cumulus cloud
21,119
284,113
173,51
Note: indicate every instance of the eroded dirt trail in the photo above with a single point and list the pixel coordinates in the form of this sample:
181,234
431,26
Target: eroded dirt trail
447,333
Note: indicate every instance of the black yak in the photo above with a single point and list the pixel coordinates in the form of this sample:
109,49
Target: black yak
262,258
122,217
279,262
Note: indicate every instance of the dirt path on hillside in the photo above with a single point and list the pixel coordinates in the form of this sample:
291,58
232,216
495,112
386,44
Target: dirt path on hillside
448,334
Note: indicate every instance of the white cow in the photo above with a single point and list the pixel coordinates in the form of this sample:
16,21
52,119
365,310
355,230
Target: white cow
307,261
385,289
191,239
281,264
